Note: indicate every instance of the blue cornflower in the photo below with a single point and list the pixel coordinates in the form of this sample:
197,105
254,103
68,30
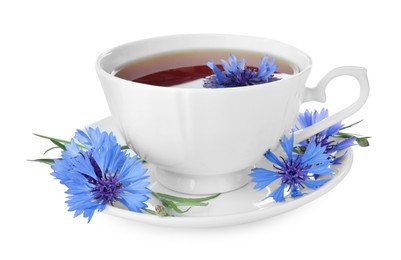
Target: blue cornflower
296,172
100,174
236,73
324,138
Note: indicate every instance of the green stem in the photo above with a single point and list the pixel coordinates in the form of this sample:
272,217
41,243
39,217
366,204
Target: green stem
183,200
152,212
44,160
351,125
58,140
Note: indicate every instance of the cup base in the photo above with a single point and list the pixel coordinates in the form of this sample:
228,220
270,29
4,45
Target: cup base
202,184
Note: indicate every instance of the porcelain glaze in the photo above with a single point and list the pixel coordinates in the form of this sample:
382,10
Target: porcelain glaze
206,140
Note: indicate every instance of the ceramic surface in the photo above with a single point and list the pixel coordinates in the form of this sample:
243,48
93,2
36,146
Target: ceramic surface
206,140
239,206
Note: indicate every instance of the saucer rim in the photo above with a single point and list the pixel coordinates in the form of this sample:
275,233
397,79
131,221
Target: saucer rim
187,221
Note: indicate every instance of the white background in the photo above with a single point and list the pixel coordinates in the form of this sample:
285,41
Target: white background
49,86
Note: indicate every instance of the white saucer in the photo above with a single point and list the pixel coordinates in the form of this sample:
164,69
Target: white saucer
235,207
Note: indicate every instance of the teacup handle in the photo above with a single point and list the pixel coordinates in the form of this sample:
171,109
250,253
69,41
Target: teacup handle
319,94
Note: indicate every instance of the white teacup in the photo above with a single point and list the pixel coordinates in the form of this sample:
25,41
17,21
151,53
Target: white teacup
207,140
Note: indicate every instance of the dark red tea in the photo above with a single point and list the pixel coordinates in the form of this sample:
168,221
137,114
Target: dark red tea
172,69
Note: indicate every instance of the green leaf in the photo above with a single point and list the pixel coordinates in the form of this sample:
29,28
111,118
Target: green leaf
173,206
51,138
172,203
348,135
191,204
58,140
52,148
44,160
62,146
351,125
363,142
343,135
124,147
181,199
299,149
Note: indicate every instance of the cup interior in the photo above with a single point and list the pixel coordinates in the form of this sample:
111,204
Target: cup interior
113,59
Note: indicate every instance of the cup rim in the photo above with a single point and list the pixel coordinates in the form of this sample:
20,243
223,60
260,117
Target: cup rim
102,72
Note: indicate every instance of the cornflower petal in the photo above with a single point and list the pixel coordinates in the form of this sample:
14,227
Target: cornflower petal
221,78
314,154
295,192
82,164
295,172
134,202
321,169
225,65
109,159
263,177
324,138
344,144
92,138
132,171
288,146
311,184
338,159
278,194
72,150
273,158
241,64
237,74
334,129
233,62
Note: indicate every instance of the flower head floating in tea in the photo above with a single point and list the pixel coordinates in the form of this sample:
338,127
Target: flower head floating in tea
237,74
